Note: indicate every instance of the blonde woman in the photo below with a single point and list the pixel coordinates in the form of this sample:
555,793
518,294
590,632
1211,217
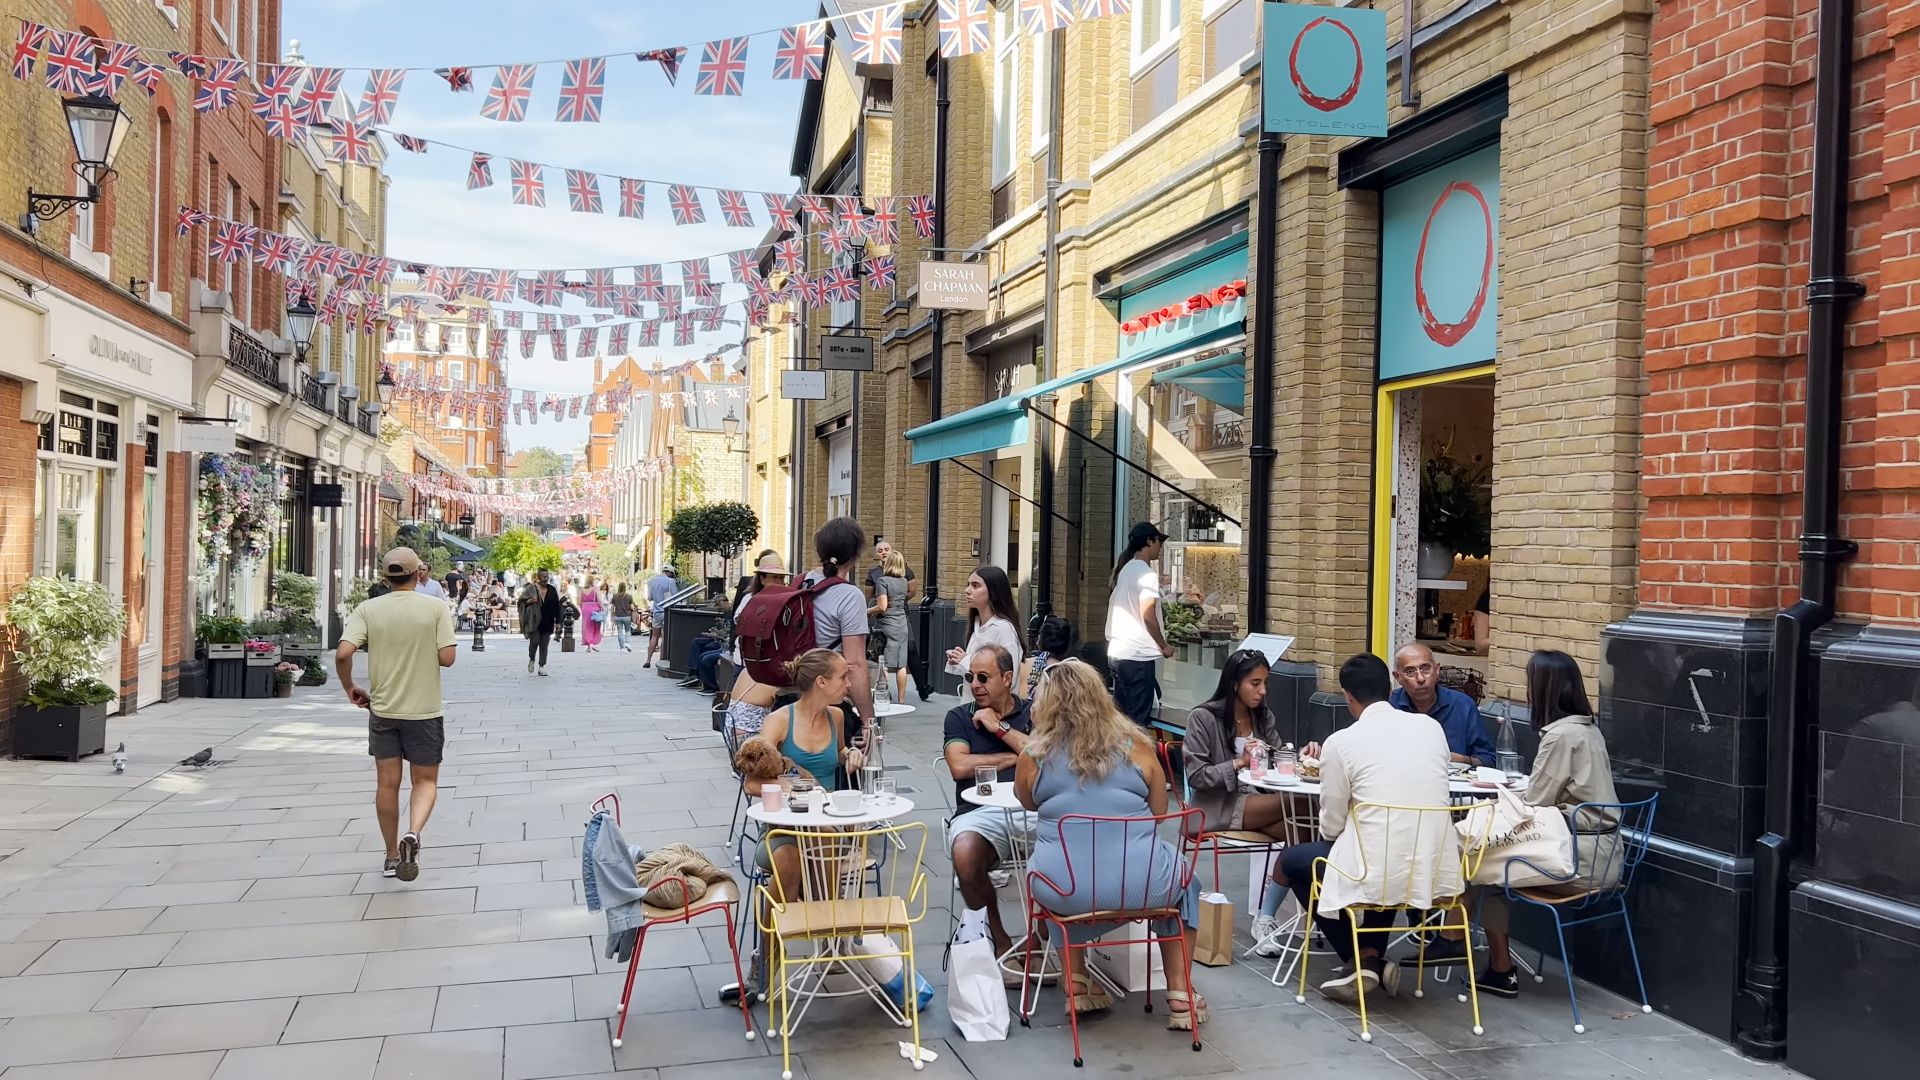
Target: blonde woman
888,615
1086,757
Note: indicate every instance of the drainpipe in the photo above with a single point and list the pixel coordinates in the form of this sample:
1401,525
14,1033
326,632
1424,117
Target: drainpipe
1760,1012
1260,451
1050,328
930,573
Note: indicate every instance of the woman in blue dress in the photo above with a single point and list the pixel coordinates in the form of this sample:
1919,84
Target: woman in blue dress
1086,757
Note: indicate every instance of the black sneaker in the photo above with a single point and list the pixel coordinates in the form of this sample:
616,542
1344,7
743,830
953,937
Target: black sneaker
1504,984
1441,952
391,868
408,865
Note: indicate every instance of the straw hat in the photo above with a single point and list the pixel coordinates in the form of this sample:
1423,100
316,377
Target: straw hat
772,565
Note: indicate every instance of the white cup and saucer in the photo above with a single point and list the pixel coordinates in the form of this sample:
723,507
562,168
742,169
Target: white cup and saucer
845,803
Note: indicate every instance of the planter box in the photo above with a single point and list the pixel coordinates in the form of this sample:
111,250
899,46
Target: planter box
226,652
227,677
68,732
266,660
193,678
259,681
301,653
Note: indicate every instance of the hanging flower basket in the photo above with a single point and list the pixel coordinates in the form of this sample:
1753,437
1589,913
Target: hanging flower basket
240,509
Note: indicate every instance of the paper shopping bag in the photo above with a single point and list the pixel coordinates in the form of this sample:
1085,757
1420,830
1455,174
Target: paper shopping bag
976,994
1213,944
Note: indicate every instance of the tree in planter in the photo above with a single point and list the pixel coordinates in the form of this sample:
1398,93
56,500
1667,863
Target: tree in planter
722,528
57,629
296,598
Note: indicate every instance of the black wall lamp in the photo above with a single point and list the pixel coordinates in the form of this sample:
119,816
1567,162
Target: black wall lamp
98,126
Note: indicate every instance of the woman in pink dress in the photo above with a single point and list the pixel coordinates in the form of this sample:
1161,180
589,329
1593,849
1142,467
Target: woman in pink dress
592,606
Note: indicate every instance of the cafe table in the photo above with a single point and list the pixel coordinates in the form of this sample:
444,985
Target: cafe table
817,832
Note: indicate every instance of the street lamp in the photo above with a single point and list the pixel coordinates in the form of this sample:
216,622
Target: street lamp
730,425
98,126
385,387
300,318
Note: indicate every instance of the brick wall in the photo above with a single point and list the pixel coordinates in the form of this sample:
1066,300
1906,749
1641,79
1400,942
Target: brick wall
231,147
17,478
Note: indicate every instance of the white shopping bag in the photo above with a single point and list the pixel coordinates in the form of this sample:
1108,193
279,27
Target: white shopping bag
1536,834
976,995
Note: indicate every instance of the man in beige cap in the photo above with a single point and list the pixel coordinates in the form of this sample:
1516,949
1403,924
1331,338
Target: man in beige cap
409,638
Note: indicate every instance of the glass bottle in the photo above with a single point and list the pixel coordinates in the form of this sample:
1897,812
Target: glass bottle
1506,750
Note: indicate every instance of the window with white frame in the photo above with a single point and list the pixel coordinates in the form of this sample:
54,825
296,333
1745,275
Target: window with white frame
226,19
243,299
157,208
456,338
1156,59
350,359
403,336
1006,90
1040,121
456,372
1232,32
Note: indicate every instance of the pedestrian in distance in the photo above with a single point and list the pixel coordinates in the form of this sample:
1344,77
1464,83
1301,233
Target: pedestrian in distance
659,587
889,616
622,604
591,613
426,586
539,615
409,638
1136,635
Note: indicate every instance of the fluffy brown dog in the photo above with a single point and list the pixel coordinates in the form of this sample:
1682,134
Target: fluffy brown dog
756,760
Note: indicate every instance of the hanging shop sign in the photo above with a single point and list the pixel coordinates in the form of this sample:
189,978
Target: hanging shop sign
1440,267
322,496
209,438
954,286
1205,300
846,352
1324,70
803,385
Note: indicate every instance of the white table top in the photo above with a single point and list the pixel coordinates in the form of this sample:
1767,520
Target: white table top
1002,797
891,708
1271,782
869,814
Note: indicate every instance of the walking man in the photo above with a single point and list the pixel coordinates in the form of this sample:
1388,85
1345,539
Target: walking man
427,586
539,615
409,638
659,587
1136,639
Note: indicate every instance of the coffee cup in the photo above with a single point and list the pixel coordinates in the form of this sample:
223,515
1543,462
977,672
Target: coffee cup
845,802
773,798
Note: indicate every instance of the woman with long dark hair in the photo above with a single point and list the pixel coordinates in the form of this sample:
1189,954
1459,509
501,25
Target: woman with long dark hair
992,618
1052,643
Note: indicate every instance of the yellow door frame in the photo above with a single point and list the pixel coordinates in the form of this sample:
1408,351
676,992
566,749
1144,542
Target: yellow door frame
1386,426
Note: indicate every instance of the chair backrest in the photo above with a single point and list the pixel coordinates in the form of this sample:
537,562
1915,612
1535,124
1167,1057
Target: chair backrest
943,774
1605,859
1101,856
836,867
724,674
611,800
1396,840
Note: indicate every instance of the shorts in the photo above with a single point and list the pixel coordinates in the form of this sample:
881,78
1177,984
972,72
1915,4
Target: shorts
421,742
763,851
1135,688
744,721
996,827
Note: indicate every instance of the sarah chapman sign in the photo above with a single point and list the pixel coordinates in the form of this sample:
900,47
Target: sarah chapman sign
953,286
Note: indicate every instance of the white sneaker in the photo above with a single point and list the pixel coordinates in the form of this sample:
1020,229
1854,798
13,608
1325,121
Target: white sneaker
1390,979
1266,936
1346,989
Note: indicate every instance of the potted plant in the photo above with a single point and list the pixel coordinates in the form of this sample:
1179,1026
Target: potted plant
296,598
262,655
314,674
1183,628
284,674
221,637
58,628
1456,512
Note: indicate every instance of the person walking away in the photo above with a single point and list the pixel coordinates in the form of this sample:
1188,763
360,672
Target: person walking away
1136,637
426,586
539,616
992,619
622,617
659,587
409,638
888,615
591,615
1420,692
881,549
1053,643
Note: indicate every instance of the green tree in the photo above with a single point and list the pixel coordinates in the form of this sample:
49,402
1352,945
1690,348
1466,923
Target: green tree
539,461
522,551
721,528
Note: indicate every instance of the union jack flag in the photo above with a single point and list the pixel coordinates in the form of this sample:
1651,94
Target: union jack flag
496,286
320,94
298,291
26,48
723,68
458,78
312,260
189,217
410,144
359,272
147,77
876,36
788,254
589,343
192,65
274,83
633,198
837,240
814,206
350,270
272,250
583,86
479,171
650,333
813,290
617,338
600,291
763,294
218,86
669,301
742,265
1041,16
697,278
112,68
526,352
964,27
559,344
231,242
512,320
383,268
920,209
529,184
1100,9
683,331
352,143
668,59
583,191
685,203
881,271
710,318
733,209
839,285
545,322
883,226
628,303
648,283
780,209
282,118
69,61
512,89
800,52
381,95
548,288
441,281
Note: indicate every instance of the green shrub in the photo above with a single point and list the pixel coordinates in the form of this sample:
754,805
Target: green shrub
58,629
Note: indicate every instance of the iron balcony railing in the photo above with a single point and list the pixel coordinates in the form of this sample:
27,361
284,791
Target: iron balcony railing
249,357
344,409
369,423
313,393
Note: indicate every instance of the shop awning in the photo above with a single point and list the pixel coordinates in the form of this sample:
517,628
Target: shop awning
1220,379
999,423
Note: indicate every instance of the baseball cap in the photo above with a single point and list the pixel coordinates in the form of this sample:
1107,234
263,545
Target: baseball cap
1143,533
400,562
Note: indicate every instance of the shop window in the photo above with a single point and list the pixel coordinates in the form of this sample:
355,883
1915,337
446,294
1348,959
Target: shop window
1232,32
153,442
79,502
1006,90
1156,59
456,339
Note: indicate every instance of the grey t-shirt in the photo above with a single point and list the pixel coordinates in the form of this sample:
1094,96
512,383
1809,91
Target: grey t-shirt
839,612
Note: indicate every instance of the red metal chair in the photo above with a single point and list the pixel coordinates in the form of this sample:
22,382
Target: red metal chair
719,898
1098,835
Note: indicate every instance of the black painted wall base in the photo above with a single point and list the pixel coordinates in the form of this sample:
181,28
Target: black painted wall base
1852,998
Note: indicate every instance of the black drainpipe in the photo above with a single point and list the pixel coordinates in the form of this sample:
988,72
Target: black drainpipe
1050,333
930,573
1260,451
1760,1012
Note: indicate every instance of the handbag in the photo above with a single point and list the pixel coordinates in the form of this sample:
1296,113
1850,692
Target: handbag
976,993
599,616
1536,835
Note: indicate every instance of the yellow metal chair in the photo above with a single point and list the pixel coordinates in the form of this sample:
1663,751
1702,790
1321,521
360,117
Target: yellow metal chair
848,893
1385,847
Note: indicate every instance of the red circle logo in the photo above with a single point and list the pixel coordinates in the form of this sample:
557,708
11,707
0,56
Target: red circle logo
1345,97
1448,334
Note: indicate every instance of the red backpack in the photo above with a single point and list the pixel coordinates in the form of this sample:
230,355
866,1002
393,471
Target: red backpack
777,626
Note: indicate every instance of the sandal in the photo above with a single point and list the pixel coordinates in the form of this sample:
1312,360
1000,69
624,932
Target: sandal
1188,1018
1085,997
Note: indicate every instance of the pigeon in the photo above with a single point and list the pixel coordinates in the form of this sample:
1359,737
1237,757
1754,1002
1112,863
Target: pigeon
200,758
120,759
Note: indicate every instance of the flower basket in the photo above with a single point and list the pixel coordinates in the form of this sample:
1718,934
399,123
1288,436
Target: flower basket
262,653
284,674
226,652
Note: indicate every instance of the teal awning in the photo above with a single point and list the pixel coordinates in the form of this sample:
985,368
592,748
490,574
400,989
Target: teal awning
1220,379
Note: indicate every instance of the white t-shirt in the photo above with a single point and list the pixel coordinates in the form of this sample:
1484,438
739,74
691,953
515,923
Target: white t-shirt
995,631
1127,635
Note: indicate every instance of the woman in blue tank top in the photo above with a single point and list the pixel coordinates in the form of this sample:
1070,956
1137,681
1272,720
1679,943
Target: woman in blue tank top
808,732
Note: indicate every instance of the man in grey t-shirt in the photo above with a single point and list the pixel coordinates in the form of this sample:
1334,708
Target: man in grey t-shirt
659,587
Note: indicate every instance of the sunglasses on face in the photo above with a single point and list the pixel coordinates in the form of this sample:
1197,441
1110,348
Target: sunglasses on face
977,676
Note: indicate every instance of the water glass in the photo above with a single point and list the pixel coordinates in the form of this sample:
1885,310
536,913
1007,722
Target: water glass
888,790
983,777
870,782
1286,765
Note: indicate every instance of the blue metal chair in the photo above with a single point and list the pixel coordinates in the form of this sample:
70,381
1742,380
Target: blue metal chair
1598,890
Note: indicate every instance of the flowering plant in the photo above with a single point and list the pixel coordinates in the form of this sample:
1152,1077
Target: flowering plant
286,671
239,509
262,648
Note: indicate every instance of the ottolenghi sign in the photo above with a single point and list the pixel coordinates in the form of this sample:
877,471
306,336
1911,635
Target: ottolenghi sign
1324,70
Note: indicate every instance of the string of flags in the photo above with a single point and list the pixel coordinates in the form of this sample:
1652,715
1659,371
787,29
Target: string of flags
491,405
545,496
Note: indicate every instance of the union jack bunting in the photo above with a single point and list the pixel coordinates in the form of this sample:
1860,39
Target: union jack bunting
526,351
112,68
800,52
668,59
26,48
383,269
274,83
633,198
298,290
883,225
441,281
813,206
617,339
788,254
780,209
1041,16
964,27
1101,9
683,330
696,278
479,171
410,144
458,78
630,303
920,208
218,86
496,286
192,65
733,209
600,290
69,61
273,251
669,301
320,94
529,183
881,271
723,68
352,143
231,242
189,217
837,240
281,116
348,267
569,320
583,86
147,77
559,344
813,290
583,191
380,96
589,342
685,203
711,317
313,261
649,336
741,263
512,320
545,322
512,89
548,288
840,285
876,36
360,272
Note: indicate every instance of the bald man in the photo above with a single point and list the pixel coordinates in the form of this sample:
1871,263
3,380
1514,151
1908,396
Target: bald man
1420,692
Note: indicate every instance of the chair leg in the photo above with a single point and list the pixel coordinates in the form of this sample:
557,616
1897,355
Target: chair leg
1073,1014
1359,984
746,1013
1306,939
1193,996
910,992
785,998
626,993
1633,950
1565,962
1473,980
1027,980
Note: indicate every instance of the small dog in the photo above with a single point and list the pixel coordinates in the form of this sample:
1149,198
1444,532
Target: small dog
756,760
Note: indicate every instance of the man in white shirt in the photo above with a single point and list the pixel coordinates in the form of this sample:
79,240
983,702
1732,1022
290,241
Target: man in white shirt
1136,637
1386,757
426,586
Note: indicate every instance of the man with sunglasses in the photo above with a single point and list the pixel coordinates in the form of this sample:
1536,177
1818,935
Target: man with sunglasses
1420,692
990,732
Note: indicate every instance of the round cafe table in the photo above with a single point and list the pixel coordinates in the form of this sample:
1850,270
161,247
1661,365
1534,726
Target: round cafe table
1457,788
884,709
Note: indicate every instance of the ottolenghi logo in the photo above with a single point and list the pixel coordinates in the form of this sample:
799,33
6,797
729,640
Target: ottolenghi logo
1344,97
1449,334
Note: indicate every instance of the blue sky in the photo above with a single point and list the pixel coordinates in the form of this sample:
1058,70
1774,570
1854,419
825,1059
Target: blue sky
648,130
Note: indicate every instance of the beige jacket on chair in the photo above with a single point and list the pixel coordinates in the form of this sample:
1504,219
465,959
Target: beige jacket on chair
1398,758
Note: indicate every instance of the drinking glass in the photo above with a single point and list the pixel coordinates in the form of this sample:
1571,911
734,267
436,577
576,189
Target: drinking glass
870,782
802,797
983,777
1286,765
889,789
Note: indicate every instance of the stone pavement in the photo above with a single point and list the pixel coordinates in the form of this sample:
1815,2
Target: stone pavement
181,924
